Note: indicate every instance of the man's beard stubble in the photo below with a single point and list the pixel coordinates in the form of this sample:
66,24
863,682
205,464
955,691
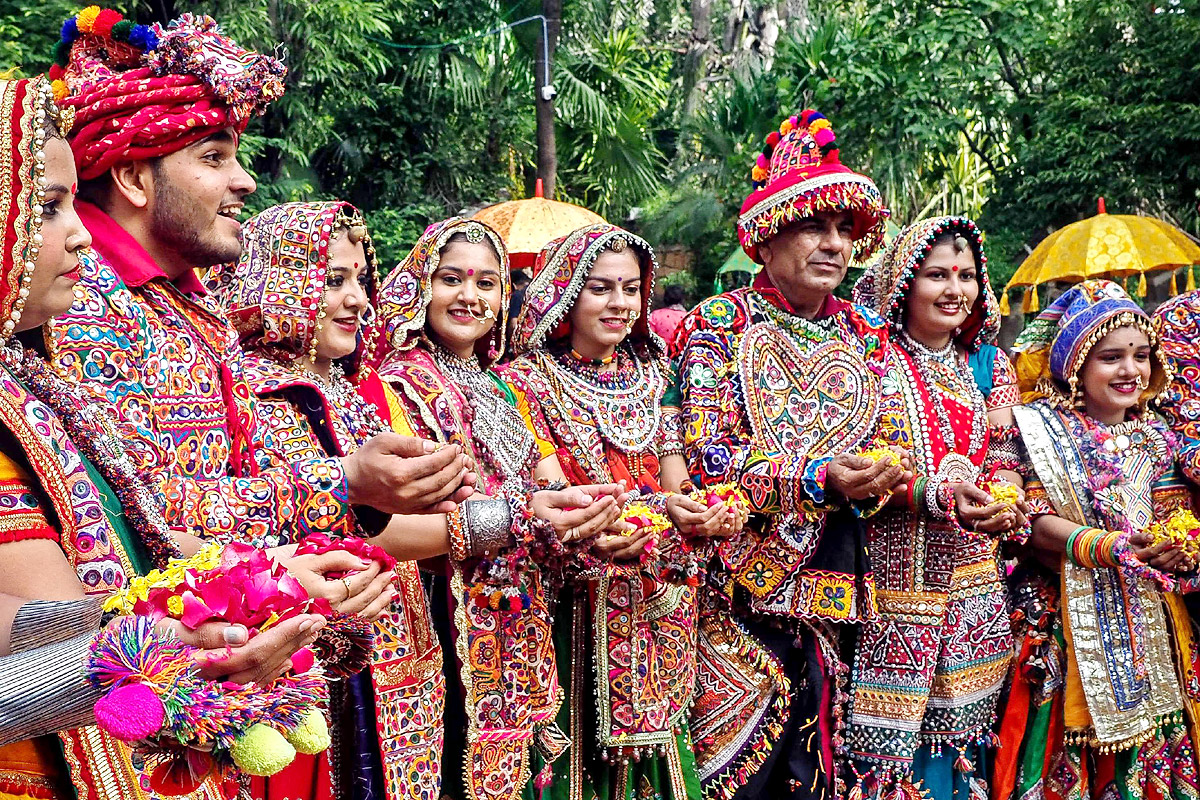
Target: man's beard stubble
175,224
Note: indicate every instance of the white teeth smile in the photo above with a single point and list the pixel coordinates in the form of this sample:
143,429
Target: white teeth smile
230,213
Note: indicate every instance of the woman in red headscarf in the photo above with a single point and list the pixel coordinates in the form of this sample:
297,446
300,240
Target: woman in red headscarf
76,517
591,376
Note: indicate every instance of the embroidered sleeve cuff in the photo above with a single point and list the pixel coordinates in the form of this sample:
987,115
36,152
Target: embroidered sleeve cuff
324,498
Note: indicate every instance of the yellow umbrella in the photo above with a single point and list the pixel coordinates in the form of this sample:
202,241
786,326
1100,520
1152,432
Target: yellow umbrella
526,225
1104,246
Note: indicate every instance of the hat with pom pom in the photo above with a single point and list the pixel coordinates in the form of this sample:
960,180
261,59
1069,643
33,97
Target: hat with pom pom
797,174
145,91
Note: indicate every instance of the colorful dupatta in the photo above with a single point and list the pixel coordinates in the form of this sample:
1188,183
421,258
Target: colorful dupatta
506,660
637,630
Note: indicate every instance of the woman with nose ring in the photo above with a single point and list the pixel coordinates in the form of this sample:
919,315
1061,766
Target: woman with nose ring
442,320
1106,696
301,298
929,669
592,377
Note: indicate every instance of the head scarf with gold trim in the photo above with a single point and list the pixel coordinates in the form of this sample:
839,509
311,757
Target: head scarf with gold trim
559,275
26,108
406,293
1053,348
884,286
275,293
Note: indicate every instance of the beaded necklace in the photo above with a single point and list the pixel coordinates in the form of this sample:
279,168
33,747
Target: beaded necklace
947,375
624,402
496,426
92,430
361,417
593,362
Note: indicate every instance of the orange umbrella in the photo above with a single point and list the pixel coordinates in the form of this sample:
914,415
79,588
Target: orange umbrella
1105,246
526,225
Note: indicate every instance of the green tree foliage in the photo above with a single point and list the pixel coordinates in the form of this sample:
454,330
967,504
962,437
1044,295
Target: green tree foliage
1018,112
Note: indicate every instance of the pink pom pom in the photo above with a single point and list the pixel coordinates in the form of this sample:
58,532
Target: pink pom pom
795,122
823,136
762,161
131,712
302,660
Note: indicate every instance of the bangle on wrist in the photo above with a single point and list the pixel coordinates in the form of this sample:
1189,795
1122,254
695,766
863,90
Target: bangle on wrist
488,525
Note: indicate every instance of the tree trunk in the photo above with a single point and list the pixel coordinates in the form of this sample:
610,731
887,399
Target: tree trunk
547,152
695,62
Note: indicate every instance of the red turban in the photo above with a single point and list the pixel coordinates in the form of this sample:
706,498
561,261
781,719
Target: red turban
158,94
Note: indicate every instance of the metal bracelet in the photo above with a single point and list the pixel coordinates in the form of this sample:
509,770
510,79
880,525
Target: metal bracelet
489,525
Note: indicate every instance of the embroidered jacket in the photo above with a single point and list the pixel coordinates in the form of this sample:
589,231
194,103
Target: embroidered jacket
169,362
769,398
406,662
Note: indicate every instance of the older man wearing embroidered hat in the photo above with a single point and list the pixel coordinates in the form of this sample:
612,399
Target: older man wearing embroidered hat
781,384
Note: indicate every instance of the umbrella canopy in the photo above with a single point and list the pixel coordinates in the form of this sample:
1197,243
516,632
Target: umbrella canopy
526,225
1104,246
739,262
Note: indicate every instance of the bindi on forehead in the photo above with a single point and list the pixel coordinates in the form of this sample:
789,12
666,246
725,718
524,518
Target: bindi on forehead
470,272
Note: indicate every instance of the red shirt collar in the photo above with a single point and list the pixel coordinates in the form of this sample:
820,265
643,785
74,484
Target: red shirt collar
765,286
129,259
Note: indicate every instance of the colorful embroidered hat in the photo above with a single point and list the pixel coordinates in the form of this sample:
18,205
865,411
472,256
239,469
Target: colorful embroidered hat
885,284
408,289
142,92
559,274
1057,343
798,174
275,293
29,105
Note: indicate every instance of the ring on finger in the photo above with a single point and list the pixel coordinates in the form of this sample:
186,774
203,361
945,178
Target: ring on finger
346,583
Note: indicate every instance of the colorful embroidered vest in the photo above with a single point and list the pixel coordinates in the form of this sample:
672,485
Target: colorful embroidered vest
406,664
507,660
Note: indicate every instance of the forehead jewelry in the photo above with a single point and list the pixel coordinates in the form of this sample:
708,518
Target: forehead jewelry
474,233
618,244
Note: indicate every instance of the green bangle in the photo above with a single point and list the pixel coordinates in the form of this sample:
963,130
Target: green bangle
1071,543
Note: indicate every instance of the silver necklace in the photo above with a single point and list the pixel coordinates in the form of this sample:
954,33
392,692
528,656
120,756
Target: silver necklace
956,372
495,425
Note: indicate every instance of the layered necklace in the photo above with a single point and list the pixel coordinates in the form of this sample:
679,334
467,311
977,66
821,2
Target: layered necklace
360,416
624,402
948,377
496,426
92,430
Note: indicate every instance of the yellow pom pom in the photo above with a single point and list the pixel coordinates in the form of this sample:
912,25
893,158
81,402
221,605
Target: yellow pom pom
819,125
785,128
60,90
311,736
758,174
262,751
87,18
